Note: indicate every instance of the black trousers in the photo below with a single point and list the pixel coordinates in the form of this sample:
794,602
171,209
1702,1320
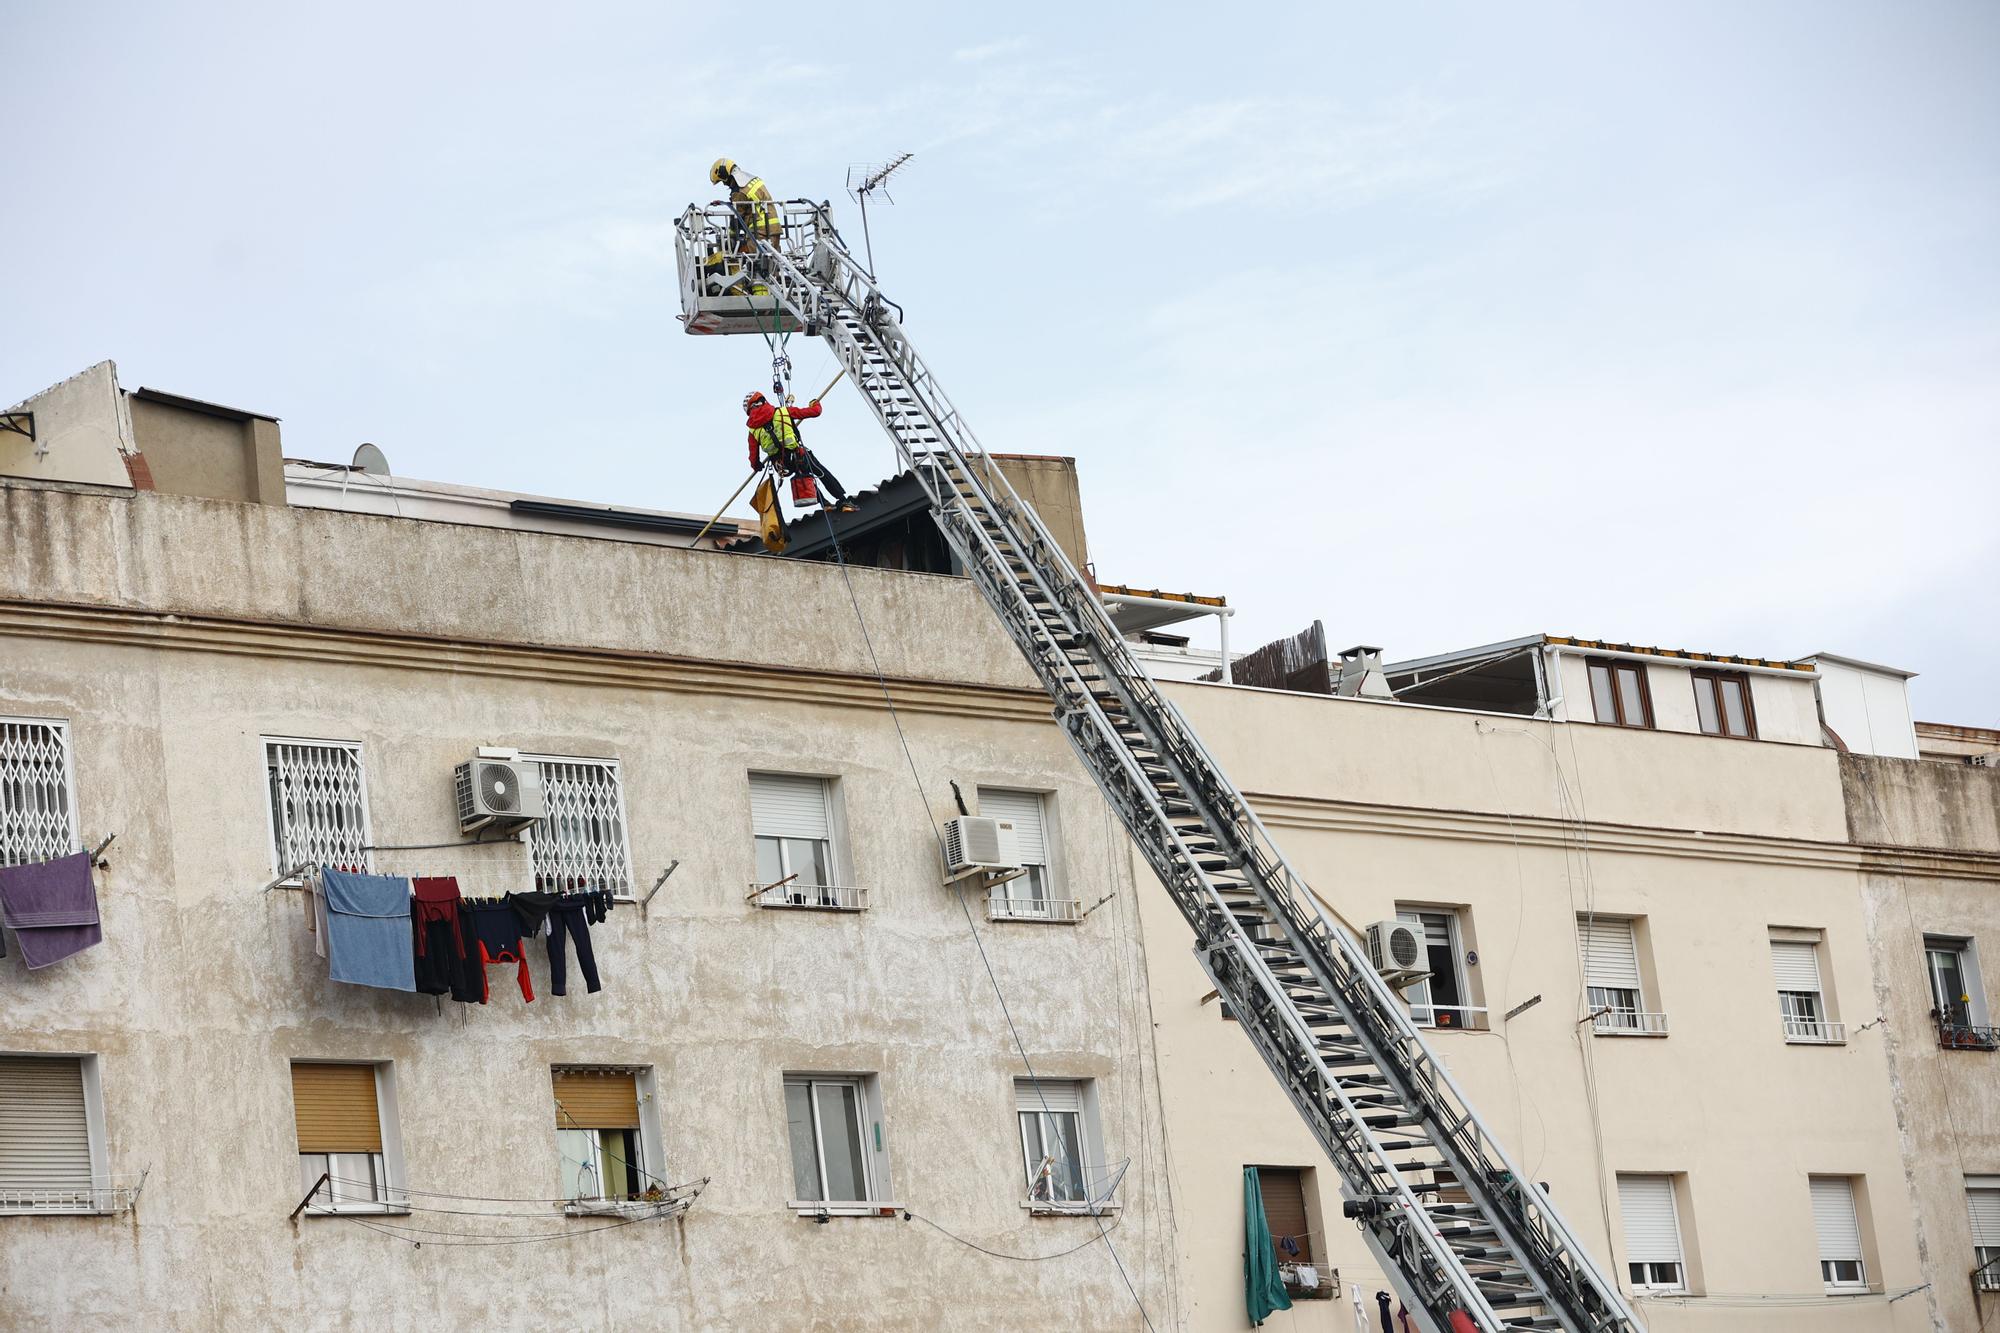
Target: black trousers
803,460
570,918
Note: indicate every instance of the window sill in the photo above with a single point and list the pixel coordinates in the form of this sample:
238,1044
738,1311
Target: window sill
360,1210
1061,1210
1815,1041
851,1209
57,1211
1626,1032
629,1208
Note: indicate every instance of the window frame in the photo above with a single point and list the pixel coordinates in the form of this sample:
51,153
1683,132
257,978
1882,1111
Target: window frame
650,1145
1982,1255
1043,874
1611,1017
1712,680
1613,666
836,889
103,1197
1029,1095
389,1193
279,868
873,1155
1680,1284
1806,1018
1833,1284
626,893
66,742
1963,1025
1424,1013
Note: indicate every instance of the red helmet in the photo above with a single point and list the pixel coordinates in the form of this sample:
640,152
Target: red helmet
751,399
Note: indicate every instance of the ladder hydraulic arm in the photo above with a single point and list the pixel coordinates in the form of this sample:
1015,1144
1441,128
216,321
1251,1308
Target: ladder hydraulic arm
1396,1127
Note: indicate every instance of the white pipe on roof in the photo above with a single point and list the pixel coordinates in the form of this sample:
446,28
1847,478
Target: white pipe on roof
1192,609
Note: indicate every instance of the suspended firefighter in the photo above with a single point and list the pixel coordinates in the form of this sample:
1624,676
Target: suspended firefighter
774,441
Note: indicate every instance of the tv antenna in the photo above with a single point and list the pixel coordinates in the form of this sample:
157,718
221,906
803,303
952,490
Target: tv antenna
871,182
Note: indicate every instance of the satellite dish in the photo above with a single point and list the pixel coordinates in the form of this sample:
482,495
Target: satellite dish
370,461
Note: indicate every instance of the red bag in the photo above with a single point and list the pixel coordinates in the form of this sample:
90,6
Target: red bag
805,491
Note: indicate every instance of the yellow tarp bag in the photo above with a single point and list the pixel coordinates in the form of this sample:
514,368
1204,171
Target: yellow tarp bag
770,521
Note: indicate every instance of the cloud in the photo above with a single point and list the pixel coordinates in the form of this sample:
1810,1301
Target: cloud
976,55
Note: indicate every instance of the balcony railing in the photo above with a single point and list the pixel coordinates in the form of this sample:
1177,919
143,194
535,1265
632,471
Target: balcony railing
810,897
1309,1282
1628,1023
1814,1032
87,1199
1068,910
1964,1036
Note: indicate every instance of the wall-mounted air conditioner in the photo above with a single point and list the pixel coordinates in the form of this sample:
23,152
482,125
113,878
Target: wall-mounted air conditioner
498,791
975,842
1396,948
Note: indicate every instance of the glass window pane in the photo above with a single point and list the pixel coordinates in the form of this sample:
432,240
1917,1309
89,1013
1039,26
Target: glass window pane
840,1133
1600,693
808,860
1630,698
768,865
1032,1149
1733,707
312,1165
578,1148
805,1153
618,1150
1065,1144
1704,705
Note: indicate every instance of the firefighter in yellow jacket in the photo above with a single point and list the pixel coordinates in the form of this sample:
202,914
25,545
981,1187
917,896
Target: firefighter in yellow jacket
757,215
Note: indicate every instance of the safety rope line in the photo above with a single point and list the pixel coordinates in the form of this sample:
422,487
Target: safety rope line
992,978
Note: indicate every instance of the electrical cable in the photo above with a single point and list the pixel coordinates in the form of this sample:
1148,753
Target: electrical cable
1017,1258
992,978
546,1238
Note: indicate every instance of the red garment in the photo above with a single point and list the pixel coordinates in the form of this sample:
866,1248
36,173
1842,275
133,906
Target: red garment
436,899
517,954
761,415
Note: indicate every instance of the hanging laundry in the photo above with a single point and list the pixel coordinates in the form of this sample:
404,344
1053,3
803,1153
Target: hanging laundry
368,930
51,907
533,909
443,966
494,934
572,915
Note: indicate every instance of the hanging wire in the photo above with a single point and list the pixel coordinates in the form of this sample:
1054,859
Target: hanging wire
1103,1234
1020,1047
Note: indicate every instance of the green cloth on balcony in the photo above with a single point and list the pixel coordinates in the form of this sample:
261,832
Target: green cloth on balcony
1263,1290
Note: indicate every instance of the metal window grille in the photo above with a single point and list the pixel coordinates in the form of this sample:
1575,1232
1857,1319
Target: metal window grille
582,842
37,792
319,805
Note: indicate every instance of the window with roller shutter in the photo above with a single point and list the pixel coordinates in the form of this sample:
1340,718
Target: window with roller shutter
46,1163
337,1116
1034,892
1284,1191
1801,995
1982,1204
1610,950
1653,1257
598,1134
1837,1225
791,817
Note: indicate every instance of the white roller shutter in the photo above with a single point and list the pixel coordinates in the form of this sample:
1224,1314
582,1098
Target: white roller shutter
785,806
1982,1201
1053,1095
1834,1221
1652,1231
1610,954
44,1133
1025,809
1797,965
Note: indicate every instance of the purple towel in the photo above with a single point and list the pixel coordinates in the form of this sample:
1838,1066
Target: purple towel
51,908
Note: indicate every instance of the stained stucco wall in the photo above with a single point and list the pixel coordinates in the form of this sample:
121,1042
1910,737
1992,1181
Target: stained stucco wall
173,634
1932,837
1521,826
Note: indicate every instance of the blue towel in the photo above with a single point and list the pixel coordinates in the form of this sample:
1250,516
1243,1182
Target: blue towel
368,930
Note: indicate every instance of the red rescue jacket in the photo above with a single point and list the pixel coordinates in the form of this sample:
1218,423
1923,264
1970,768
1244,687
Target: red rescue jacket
761,416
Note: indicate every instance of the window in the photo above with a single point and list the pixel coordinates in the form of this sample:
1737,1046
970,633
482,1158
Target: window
1801,1000
793,821
338,1112
602,1148
1982,1201
319,804
1722,702
1284,1191
37,792
1059,1143
581,843
1652,1233
1440,999
1611,976
51,1135
1618,693
1839,1230
1031,896
1958,1003
836,1137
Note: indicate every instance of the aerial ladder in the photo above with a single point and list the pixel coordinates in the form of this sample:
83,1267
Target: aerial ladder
1469,1241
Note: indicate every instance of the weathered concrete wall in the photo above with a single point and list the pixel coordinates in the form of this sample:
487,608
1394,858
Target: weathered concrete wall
313,624
1050,485
1522,825
1932,834
81,432
207,454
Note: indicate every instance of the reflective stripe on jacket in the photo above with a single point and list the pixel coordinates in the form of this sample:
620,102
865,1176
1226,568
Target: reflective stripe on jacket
777,433
754,205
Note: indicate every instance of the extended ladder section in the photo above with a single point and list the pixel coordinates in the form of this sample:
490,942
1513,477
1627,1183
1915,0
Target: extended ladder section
1466,1237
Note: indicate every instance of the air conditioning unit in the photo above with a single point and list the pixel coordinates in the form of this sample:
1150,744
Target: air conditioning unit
499,793
1396,948
975,842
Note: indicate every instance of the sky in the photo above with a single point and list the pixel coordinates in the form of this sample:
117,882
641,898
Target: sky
1669,324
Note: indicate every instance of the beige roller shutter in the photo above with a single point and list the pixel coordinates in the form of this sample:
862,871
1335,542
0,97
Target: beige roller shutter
1834,1218
44,1133
1652,1227
1610,953
784,805
1025,809
594,1100
334,1106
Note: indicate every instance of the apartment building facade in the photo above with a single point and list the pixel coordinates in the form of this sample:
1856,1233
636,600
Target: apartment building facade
797,1020
1653,970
